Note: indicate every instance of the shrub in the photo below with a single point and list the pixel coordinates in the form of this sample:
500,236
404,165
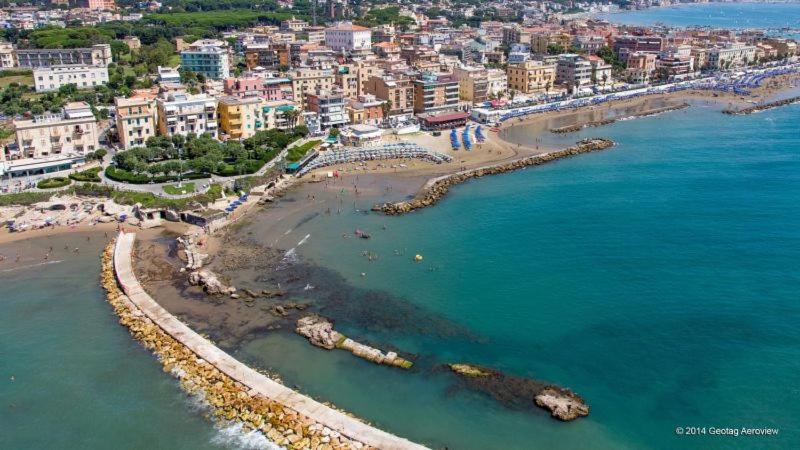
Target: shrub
52,183
297,153
89,175
124,176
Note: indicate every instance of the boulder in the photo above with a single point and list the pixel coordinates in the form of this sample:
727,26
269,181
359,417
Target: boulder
319,331
210,283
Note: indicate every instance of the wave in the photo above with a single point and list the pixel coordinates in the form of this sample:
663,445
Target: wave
31,265
233,435
290,258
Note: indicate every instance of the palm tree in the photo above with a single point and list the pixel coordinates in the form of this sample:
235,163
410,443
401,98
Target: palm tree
292,116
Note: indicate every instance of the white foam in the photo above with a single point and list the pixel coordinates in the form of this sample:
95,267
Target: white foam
234,436
31,265
304,240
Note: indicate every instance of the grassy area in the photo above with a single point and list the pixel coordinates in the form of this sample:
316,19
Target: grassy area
22,77
174,61
175,190
297,153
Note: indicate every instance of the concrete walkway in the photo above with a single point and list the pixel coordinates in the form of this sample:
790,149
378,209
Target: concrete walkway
258,383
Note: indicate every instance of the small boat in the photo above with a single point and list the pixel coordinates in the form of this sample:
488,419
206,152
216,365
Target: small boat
418,258
362,234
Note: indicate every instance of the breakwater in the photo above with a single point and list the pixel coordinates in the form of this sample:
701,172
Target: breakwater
234,391
437,188
763,106
578,127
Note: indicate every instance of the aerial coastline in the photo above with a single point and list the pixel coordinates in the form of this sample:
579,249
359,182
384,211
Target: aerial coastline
286,212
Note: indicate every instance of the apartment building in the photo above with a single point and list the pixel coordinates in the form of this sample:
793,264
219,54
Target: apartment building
240,118
397,90
640,67
496,82
96,55
531,77
275,114
573,71
310,81
731,55
365,109
208,57
352,78
136,121
784,47
73,132
473,83
293,25
435,92
181,113
330,108
47,79
267,88
625,45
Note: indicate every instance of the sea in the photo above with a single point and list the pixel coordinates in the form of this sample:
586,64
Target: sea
714,14
71,377
657,279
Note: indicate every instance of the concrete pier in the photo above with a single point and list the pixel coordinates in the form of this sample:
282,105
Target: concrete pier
257,383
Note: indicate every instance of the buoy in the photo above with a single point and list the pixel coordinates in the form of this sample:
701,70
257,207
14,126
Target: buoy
418,258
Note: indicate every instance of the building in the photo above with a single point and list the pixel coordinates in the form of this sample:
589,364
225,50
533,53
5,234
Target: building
8,58
294,25
352,78
348,37
96,55
573,71
180,113
132,42
365,109
473,83
310,81
443,121
625,45
276,114
589,44
329,106
136,121
434,92
361,135
208,57
98,5
168,75
784,47
51,78
640,67
73,132
396,90
496,82
240,118
269,89
672,66
531,77
601,71
270,56
732,55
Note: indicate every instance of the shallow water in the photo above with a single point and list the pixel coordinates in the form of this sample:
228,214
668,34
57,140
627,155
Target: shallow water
657,279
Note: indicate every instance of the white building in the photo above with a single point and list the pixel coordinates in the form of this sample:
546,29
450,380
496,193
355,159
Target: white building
208,57
83,77
185,113
732,55
73,132
8,58
497,82
168,75
348,37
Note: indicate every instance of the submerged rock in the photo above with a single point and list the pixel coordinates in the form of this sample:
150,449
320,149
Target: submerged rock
522,393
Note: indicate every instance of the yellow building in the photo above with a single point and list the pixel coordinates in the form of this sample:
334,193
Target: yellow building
240,118
136,120
531,77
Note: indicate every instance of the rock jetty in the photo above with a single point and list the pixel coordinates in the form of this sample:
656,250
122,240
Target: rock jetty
191,247
578,127
319,331
437,188
522,393
763,106
243,399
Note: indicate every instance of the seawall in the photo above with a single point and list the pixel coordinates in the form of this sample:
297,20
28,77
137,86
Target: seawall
436,188
763,106
235,391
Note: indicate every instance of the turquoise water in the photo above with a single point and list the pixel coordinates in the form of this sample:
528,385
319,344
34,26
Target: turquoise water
722,15
80,380
658,279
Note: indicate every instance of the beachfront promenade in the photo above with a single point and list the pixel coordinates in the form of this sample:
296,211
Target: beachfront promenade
257,383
